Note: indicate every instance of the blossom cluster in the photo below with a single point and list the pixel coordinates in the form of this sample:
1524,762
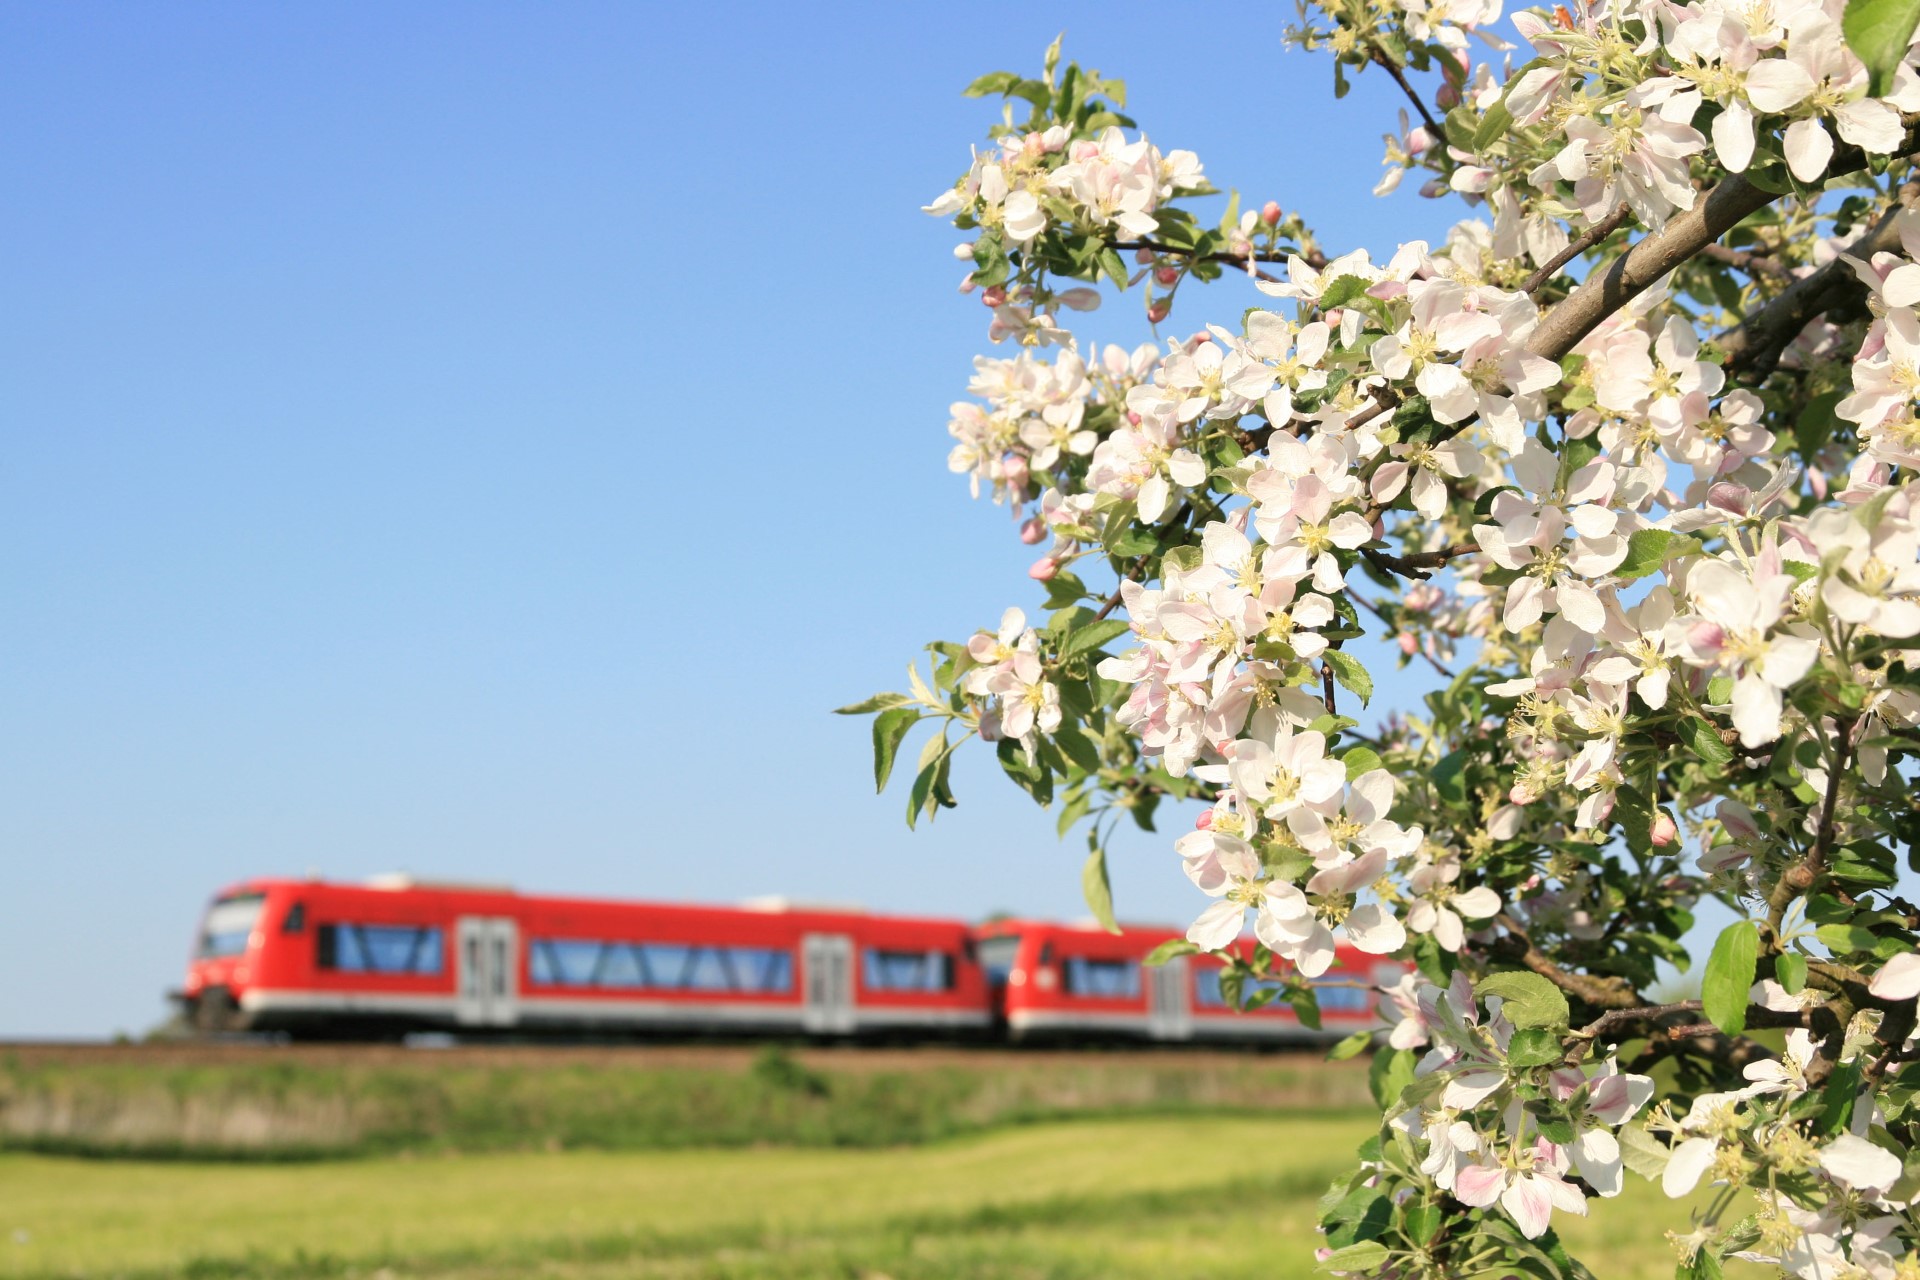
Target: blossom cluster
1662,522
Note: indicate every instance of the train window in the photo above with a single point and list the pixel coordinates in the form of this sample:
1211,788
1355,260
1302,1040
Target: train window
296,921
1105,979
229,924
997,956
1342,994
1207,992
906,970
658,966
417,950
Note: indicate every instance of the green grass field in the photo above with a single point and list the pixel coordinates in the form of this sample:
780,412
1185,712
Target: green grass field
300,1103
1156,1196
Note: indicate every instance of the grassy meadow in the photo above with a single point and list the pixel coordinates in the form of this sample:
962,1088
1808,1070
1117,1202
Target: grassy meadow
1152,1196
692,1161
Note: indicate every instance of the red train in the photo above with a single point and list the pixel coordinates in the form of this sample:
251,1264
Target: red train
311,958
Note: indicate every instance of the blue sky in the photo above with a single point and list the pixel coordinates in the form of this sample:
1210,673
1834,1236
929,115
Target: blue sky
486,440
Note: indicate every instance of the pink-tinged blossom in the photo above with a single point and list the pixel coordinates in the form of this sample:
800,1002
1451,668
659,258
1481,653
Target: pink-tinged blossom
1228,869
1529,1192
1736,626
1440,909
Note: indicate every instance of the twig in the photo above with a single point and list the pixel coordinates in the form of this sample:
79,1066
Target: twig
1592,236
1374,609
1326,686
1417,564
1800,877
1754,264
1435,133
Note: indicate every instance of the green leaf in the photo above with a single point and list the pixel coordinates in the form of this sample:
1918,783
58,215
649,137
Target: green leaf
1530,1000
1700,734
929,790
1064,591
1342,291
1493,125
1168,950
992,82
1878,32
1646,551
1843,938
1077,747
1423,1223
1348,671
1365,1256
1095,885
1360,760
889,727
1450,777
1534,1047
1306,1005
1389,1074
878,702
1352,1047
1072,811
1790,971
1092,636
1729,977
1641,1152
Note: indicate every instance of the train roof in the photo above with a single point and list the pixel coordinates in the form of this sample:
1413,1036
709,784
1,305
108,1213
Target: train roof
397,883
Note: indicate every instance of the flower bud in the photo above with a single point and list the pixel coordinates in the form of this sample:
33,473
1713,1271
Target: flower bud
1204,821
1664,831
1270,214
1143,256
1408,643
1166,275
1033,530
1447,96
994,296
1043,569
1158,311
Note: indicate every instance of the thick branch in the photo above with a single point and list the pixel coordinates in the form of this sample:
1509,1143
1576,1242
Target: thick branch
1653,256
1604,993
1756,345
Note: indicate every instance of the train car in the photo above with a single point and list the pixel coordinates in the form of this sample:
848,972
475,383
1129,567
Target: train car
307,957
1052,981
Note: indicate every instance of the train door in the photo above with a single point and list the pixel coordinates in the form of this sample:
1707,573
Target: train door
827,960
489,971
1169,1012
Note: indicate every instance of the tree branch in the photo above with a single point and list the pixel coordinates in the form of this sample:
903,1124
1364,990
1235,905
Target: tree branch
1754,264
1653,256
1435,133
1604,993
1800,877
1594,235
1417,564
1756,345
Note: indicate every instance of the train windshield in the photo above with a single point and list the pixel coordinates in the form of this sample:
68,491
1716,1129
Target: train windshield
230,921
997,956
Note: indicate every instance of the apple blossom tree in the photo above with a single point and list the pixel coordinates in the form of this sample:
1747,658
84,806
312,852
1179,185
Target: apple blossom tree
1627,463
